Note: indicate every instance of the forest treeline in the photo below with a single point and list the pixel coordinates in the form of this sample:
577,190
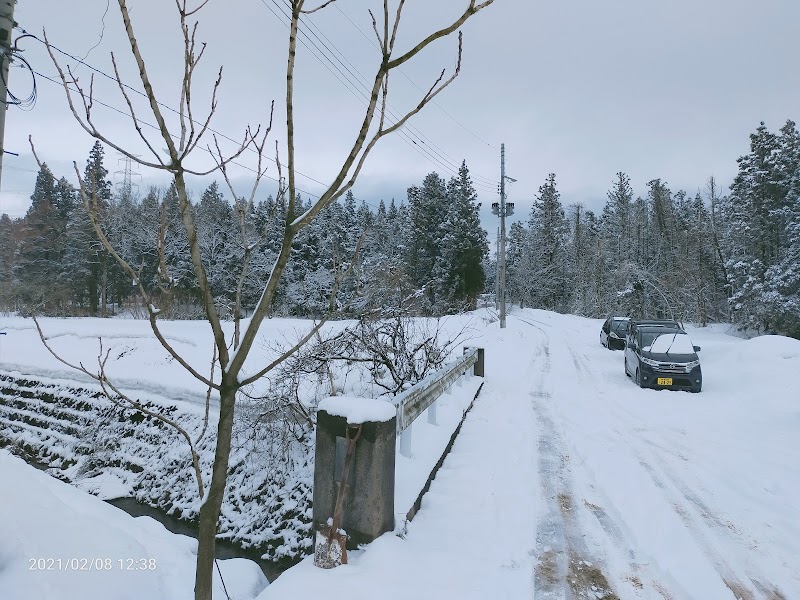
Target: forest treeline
717,255
707,257
424,256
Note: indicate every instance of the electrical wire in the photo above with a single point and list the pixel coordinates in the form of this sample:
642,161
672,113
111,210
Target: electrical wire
409,140
30,101
374,44
155,127
423,138
142,94
429,147
102,31
362,96
445,163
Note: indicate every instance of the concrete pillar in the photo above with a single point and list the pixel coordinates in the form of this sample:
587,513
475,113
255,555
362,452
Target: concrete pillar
369,503
478,368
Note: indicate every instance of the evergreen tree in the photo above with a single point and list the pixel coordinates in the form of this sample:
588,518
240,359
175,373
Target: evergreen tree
752,239
219,240
617,216
41,248
547,248
463,245
8,248
427,207
86,260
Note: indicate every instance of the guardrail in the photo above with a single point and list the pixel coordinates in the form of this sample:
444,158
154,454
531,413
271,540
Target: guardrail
354,484
424,394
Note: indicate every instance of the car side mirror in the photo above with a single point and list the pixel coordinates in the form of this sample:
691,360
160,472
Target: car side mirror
697,348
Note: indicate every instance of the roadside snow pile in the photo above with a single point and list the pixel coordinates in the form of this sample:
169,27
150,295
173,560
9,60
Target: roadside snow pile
765,362
766,347
113,452
59,542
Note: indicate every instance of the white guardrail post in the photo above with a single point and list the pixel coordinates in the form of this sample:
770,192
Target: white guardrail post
405,441
432,413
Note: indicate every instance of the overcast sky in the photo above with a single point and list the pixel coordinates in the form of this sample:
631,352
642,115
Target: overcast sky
580,88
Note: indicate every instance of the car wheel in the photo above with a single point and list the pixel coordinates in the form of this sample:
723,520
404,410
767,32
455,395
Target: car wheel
638,378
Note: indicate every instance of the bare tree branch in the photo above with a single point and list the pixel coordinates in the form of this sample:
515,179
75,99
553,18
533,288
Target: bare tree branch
320,7
135,120
314,330
472,9
115,394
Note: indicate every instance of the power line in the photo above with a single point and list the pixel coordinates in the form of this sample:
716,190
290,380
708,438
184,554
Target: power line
362,95
423,139
409,141
439,106
160,104
359,80
171,109
152,126
451,164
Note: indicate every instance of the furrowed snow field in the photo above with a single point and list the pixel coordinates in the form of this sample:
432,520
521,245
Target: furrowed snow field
566,481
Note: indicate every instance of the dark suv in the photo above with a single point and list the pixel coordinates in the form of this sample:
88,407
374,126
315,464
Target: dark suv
612,334
662,356
660,322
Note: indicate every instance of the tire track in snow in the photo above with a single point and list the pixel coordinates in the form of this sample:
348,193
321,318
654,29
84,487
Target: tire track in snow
703,523
564,569
639,576
704,527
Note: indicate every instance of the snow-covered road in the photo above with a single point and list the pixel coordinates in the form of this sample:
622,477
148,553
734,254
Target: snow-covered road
665,494
569,482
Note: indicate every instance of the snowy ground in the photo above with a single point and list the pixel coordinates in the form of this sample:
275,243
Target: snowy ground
567,481
59,543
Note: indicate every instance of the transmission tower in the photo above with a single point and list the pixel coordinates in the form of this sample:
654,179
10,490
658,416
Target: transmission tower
125,177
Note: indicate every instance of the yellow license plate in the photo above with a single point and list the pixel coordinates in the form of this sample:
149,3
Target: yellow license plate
665,381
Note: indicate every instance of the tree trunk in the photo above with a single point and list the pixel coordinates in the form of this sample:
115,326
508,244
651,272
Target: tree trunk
104,286
210,509
93,289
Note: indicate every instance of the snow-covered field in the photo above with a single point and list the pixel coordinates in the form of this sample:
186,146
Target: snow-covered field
567,481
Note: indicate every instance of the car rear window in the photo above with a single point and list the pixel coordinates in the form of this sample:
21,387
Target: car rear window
666,342
619,327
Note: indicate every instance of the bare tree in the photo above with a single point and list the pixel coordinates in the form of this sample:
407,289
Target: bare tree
180,147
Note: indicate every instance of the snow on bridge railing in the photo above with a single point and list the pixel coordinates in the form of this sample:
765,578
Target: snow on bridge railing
424,394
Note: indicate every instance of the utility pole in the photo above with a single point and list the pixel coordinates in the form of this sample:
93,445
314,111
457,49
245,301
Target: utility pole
497,272
502,209
6,27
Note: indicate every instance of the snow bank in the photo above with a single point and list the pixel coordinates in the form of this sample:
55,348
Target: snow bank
358,410
60,542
